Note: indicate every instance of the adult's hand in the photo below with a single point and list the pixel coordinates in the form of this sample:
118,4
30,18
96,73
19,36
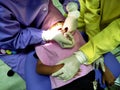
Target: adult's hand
65,41
71,22
71,66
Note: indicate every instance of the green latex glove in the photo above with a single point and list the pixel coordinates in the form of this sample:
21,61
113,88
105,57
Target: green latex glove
65,41
99,63
71,66
71,21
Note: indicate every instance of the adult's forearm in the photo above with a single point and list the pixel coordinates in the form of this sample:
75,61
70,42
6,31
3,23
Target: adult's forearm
105,41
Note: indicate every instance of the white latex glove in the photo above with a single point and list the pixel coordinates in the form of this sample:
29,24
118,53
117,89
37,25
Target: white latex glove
70,23
99,63
66,41
71,66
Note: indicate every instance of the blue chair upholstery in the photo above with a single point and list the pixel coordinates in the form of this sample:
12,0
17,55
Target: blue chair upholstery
35,81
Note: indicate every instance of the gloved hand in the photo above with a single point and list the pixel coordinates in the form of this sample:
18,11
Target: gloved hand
99,63
70,23
71,66
66,41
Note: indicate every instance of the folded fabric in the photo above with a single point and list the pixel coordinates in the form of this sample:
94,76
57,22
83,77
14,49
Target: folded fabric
51,53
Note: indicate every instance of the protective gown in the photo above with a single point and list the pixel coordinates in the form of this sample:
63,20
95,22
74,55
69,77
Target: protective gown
101,20
21,25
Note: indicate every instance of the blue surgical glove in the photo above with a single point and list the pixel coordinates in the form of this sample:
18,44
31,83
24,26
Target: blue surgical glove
71,66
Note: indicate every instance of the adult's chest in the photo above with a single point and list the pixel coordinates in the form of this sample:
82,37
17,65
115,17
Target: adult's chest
28,12
110,10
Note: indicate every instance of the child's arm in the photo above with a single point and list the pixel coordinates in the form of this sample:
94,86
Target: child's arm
45,69
108,77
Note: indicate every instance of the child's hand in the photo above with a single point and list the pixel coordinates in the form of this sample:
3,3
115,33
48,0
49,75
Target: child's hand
57,67
108,77
77,73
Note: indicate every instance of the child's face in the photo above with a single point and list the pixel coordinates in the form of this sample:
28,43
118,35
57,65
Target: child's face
57,26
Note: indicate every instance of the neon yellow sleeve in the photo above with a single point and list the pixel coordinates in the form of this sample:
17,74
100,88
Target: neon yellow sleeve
81,22
105,41
89,17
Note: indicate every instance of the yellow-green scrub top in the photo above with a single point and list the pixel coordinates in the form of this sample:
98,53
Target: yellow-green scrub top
100,19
